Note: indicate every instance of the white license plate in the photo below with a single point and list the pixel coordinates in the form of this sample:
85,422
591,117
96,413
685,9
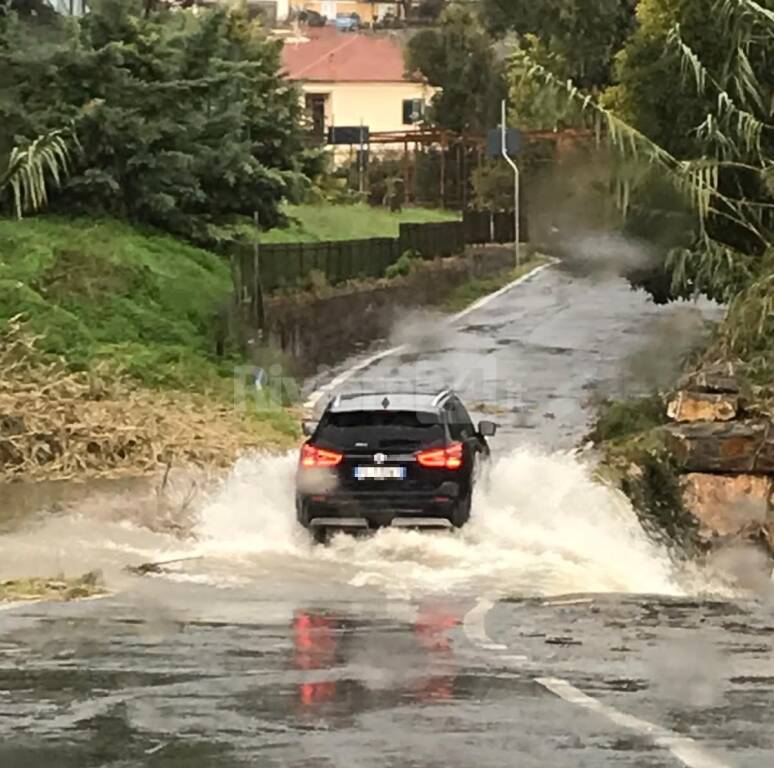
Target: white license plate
380,473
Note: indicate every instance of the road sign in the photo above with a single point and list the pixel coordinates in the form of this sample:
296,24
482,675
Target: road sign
348,134
494,142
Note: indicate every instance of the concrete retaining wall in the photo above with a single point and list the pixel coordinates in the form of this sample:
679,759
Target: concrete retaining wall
321,330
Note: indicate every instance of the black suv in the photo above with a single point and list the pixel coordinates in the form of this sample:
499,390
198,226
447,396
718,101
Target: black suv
382,459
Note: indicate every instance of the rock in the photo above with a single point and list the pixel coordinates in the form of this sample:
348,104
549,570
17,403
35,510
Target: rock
720,378
727,505
699,406
764,462
736,446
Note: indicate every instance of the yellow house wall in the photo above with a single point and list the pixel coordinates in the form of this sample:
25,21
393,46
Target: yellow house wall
379,105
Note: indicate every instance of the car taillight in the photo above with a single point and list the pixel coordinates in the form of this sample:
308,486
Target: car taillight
442,458
312,456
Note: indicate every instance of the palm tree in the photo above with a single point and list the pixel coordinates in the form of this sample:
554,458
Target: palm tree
733,156
32,169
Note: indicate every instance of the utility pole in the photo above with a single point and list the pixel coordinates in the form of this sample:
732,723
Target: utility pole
259,318
504,148
361,163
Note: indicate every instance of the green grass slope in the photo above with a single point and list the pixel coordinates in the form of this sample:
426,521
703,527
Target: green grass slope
345,222
103,291
311,223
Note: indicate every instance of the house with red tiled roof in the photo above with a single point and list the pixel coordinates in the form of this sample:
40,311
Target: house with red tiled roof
350,79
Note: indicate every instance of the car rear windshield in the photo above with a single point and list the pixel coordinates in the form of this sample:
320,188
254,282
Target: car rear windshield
381,429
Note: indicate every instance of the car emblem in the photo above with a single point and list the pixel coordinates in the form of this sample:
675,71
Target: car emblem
379,458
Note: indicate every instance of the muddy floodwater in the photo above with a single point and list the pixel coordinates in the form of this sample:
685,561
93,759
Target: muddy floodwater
23,499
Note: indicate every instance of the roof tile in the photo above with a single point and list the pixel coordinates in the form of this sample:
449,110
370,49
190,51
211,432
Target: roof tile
332,56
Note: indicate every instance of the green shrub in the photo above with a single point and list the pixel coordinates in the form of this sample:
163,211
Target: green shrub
619,419
655,492
403,266
316,281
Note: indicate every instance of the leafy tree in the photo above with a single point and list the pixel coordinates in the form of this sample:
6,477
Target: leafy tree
431,9
584,33
182,118
493,186
709,135
533,106
457,56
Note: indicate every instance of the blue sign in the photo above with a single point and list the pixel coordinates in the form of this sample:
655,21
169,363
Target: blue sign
494,142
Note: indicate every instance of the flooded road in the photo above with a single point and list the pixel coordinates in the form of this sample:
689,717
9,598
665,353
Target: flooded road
551,630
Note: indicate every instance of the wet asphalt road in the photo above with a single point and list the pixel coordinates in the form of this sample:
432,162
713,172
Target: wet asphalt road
300,663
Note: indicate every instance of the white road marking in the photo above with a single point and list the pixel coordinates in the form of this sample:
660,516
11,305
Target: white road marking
473,625
484,300
314,398
318,394
683,748
560,603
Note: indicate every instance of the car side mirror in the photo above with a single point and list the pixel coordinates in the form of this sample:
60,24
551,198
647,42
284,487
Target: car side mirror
487,428
308,428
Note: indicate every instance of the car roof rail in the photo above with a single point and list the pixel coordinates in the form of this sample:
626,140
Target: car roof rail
441,396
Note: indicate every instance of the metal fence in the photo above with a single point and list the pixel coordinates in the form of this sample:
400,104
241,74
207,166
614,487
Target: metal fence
288,265
434,240
493,227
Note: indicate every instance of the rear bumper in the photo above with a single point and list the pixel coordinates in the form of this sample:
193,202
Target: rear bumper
378,509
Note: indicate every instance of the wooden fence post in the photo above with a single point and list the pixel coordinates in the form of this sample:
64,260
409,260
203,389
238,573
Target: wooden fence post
257,307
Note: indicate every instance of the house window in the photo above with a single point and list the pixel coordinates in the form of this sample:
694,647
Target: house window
315,108
413,111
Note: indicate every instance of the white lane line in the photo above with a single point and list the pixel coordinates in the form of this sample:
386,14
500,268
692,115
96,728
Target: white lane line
560,603
314,398
318,394
484,300
682,747
473,625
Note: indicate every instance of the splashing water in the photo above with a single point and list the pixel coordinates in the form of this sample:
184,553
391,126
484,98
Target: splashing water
540,525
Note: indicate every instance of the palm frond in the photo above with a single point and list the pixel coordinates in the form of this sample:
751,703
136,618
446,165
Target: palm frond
627,140
709,266
768,177
697,179
690,64
33,169
729,116
746,23
750,318
745,8
716,184
746,79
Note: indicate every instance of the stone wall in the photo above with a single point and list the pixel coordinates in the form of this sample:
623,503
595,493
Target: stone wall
315,330
727,454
